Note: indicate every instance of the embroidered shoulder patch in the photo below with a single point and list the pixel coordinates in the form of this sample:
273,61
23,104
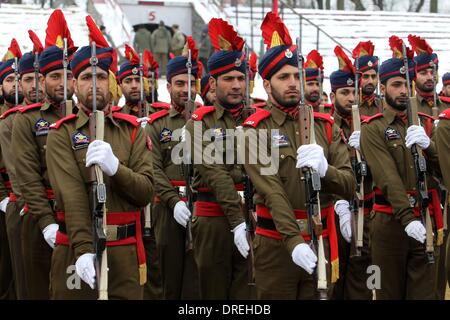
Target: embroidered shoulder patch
41,126
79,140
391,134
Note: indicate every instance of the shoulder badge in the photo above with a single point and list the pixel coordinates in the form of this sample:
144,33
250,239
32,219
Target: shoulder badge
391,134
256,118
157,115
201,112
79,140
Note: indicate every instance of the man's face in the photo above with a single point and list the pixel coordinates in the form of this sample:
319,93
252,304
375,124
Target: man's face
312,91
83,88
28,84
178,88
284,87
210,97
424,80
369,82
54,85
324,98
343,99
229,88
131,89
9,89
396,93
447,90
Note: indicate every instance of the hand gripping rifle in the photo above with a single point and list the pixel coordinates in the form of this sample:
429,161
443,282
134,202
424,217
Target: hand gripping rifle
187,167
143,112
66,105
420,166
311,179
359,167
98,189
248,205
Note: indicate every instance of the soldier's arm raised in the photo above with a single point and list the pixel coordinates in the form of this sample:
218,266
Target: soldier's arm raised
135,182
385,173
28,171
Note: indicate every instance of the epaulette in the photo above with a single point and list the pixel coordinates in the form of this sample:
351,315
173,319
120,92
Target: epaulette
364,118
258,100
256,118
31,107
324,116
425,115
126,117
161,105
259,104
198,104
376,116
444,99
157,115
58,123
328,105
445,114
116,108
201,112
10,111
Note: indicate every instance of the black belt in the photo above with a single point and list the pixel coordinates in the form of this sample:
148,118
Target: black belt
123,231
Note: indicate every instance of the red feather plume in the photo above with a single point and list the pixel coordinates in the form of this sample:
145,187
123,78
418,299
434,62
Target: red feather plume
95,34
396,45
37,44
344,61
419,45
314,60
13,51
252,61
57,30
190,44
131,55
364,48
274,31
200,70
149,60
223,36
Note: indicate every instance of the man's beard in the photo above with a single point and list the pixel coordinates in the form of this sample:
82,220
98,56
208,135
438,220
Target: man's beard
101,103
131,101
226,104
341,110
422,87
312,97
368,90
11,98
285,103
397,106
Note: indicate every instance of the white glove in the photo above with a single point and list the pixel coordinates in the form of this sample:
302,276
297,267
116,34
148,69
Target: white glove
181,213
416,230
3,204
85,268
183,134
311,155
417,135
303,256
49,233
353,141
436,122
240,239
100,152
342,208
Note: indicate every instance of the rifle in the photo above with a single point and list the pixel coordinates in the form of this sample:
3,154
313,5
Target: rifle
36,74
66,105
435,109
143,112
187,167
98,189
319,78
16,80
248,205
152,74
359,167
420,167
311,179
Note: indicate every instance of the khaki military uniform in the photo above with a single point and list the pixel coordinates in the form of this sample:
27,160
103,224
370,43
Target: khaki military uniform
127,191
178,270
7,287
353,269
15,205
280,204
424,107
369,109
324,108
405,273
29,145
442,139
217,211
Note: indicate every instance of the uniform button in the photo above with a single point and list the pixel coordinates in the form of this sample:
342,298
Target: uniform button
169,147
282,156
411,167
395,145
296,132
238,167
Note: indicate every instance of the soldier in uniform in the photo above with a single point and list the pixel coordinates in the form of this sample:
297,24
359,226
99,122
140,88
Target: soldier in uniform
7,249
206,93
397,234
367,66
125,159
28,145
313,83
218,228
425,59
445,94
153,75
284,261
170,211
353,269
13,219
